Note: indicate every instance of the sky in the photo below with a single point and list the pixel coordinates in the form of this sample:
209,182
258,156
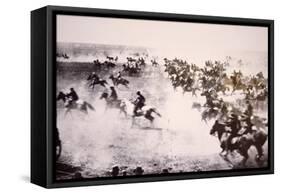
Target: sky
161,34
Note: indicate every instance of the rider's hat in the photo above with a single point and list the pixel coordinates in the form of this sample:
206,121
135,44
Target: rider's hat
138,92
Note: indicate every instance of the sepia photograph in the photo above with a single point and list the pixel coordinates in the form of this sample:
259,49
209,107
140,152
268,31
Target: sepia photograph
139,97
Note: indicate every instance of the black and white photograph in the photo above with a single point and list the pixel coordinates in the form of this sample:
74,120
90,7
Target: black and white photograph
138,97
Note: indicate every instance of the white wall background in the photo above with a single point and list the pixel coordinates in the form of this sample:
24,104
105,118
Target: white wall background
15,94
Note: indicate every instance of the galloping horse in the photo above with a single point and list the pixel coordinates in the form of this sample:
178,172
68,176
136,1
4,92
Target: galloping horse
212,106
130,70
101,82
117,81
127,107
79,105
242,143
119,104
146,112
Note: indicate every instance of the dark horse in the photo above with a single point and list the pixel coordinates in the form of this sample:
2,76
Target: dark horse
118,104
242,143
98,81
131,71
79,105
117,81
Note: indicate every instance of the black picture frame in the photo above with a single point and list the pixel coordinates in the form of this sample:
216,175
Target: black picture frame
43,85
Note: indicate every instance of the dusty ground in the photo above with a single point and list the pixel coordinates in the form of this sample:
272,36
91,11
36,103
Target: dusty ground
178,142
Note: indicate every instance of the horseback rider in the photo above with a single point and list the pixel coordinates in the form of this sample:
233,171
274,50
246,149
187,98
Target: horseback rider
94,79
72,96
139,102
235,126
113,95
210,98
92,76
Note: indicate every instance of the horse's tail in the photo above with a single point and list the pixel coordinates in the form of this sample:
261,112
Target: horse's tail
90,106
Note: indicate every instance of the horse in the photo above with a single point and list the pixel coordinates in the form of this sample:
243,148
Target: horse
154,63
97,64
212,106
79,105
119,104
141,62
242,143
62,55
101,82
130,70
237,84
109,64
116,81
145,112
110,58
130,59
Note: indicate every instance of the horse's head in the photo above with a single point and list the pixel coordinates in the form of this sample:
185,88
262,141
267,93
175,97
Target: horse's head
104,95
61,96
